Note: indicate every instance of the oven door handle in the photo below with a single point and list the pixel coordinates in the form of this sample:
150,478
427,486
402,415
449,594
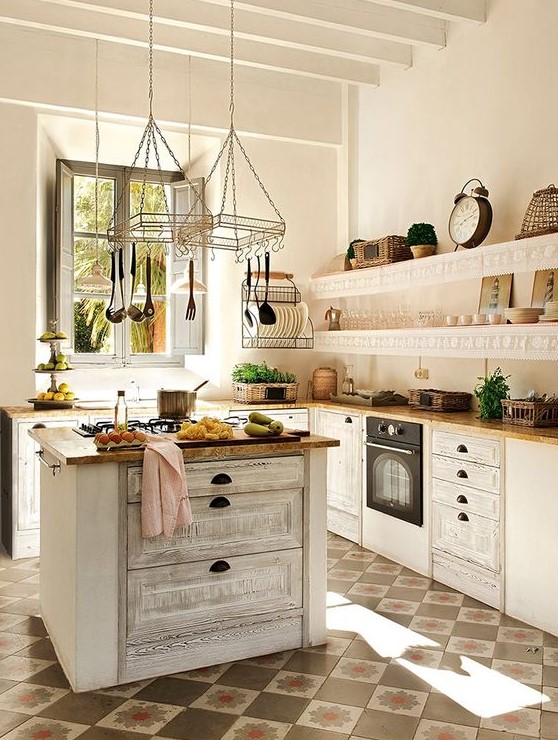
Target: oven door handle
392,449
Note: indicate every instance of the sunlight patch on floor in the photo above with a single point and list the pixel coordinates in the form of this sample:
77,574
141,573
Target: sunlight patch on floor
481,690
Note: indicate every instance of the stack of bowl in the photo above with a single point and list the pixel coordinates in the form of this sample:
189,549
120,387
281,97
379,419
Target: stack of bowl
550,312
523,315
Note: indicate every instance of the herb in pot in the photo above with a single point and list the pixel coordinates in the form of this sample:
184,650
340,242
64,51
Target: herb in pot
490,393
247,372
421,234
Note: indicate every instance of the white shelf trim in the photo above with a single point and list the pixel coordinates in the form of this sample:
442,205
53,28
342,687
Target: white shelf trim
522,255
511,342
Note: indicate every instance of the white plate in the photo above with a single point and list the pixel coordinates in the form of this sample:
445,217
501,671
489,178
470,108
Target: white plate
278,329
303,313
290,321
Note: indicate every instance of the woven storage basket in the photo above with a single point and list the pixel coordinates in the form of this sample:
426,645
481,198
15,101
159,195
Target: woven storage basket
382,251
324,383
541,216
435,400
530,413
264,392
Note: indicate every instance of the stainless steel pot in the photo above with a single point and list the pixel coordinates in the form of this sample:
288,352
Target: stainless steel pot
176,404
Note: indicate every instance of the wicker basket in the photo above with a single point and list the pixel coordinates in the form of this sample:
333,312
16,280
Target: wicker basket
264,392
530,413
541,216
435,400
382,251
324,383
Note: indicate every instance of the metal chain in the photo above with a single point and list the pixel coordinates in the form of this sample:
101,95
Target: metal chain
260,183
150,57
97,142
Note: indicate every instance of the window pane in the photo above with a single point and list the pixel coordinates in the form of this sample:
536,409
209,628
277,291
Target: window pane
154,200
84,203
92,331
152,336
85,256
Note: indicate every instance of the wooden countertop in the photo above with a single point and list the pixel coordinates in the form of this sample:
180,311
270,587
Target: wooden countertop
462,421
70,448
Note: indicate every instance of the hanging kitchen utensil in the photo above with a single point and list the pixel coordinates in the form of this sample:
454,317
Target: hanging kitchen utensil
135,313
110,307
191,307
114,315
201,385
247,312
267,314
148,307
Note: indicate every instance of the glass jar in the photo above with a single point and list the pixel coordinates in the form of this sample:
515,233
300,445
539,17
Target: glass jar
348,385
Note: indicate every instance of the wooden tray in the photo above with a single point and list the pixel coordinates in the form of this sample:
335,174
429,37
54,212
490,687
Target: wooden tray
239,437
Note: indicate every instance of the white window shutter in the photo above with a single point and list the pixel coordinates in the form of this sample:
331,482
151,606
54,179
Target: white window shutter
64,304
188,336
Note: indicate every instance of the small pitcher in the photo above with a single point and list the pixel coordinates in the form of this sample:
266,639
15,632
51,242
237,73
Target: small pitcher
333,315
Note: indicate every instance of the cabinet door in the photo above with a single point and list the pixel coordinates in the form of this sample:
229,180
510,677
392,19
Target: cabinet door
344,463
26,494
474,538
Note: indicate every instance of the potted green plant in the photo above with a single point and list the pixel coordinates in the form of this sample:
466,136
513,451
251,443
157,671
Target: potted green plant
491,392
254,383
422,240
350,258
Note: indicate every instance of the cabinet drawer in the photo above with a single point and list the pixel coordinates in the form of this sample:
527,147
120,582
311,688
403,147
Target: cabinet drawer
469,536
468,449
183,596
466,499
467,473
236,524
479,583
232,476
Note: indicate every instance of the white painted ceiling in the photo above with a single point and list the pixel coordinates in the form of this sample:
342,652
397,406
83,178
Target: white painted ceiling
343,40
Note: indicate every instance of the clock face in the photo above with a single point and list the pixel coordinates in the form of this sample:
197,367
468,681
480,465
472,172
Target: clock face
464,219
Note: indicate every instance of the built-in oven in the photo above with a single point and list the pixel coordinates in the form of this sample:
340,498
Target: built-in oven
394,468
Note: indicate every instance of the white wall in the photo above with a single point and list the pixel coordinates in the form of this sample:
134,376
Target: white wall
483,107
291,128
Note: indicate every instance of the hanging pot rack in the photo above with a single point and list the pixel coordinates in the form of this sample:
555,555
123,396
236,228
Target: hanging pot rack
227,230
150,227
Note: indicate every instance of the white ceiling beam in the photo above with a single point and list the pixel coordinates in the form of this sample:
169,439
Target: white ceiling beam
359,16
208,17
54,19
471,11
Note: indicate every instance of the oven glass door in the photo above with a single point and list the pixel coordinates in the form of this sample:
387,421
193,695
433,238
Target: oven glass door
394,483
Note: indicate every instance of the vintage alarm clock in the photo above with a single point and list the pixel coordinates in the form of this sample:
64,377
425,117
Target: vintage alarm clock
471,217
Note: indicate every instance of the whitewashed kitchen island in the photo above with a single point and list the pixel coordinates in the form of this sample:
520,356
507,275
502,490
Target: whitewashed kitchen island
247,578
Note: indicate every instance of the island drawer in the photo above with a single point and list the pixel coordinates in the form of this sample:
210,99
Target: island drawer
467,449
465,499
469,474
238,475
471,537
235,524
210,591
470,579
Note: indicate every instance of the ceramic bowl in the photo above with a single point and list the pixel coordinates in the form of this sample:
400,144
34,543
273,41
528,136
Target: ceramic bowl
464,319
451,320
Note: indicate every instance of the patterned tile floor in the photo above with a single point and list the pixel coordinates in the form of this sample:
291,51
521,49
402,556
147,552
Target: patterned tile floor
407,659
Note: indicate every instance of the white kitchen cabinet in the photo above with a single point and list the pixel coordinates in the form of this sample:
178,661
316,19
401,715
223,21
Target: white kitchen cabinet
465,514
532,533
20,484
344,472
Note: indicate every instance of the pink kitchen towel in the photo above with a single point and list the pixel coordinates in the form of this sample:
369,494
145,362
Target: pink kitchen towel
165,505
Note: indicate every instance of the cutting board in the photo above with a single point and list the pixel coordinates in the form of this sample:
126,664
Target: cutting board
239,437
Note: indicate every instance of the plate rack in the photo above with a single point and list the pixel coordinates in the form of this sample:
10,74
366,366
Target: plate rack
285,293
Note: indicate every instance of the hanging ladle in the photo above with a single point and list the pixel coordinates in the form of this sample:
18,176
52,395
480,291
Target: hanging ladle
148,308
135,313
118,315
247,312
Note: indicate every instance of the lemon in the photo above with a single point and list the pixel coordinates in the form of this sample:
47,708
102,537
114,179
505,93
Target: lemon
41,396
69,396
58,397
49,396
63,388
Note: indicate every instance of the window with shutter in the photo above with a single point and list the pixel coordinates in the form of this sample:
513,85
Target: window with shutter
80,310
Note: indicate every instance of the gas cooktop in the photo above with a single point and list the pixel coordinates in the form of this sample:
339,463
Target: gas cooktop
151,426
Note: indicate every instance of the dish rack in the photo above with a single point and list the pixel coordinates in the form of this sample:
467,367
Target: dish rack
283,293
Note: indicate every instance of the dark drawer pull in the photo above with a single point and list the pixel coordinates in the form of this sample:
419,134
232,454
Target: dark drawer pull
462,474
221,503
348,420
462,448
461,499
462,517
221,479
220,566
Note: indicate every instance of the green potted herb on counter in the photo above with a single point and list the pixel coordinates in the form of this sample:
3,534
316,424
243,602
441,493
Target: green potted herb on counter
490,392
257,383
